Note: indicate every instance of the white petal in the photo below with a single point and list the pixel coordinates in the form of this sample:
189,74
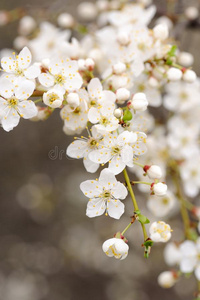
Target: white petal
91,188
108,96
127,154
8,64
25,90
119,191
32,72
90,166
6,88
11,119
77,149
106,245
107,179
115,208
27,109
116,165
24,58
95,88
46,79
95,208
187,265
100,156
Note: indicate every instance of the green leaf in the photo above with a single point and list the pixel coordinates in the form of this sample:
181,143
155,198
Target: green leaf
172,51
143,219
148,243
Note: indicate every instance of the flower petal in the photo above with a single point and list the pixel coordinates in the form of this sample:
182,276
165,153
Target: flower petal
24,58
115,209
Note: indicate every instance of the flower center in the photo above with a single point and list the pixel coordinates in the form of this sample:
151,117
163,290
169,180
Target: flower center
183,96
106,194
13,102
77,110
52,97
115,150
165,201
59,79
92,143
104,121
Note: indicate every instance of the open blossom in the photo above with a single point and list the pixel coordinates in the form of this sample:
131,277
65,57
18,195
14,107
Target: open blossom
80,148
161,206
14,103
115,247
53,98
160,232
117,150
105,195
18,68
62,75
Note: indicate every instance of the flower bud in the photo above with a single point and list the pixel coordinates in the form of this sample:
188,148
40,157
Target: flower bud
191,13
174,74
65,20
89,63
154,172
20,42
167,279
189,76
185,59
119,68
161,32
123,38
160,232
73,99
122,95
87,11
159,189
4,17
115,247
139,102
81,64
165,21
118,113
102,5
153,82
26,25
53,98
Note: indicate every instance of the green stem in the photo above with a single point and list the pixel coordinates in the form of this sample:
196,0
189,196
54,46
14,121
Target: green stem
38,100
141,182
127,227
134,201
102,81
138,164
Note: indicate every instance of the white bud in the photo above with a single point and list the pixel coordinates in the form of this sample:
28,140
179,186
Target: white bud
159,189
26,25
89,63
139,102
87,11
161,32
81,64
118,81
95,54
123,38
115,247
166,279
153,82
20,42
118,113
191,13
4,17
73,99
154,172
65,20
122,95
165,21
119,68
160,232
53,98
46,62
174,74
189,76
102,5
185,59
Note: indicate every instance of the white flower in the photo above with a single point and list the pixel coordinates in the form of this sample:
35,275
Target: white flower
159,189
53,98
122,95
18,68
89,64
104,195
14,103
115,247
73,99
172,254
81,148
161,206
118,113
117,150
119,68
62,75
26,25
190,252
87,10
139,102
160,232
174,74
167,279
191,13
189,76
161,32
153,172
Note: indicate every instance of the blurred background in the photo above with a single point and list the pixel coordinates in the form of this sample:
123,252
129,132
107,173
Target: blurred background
49,249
